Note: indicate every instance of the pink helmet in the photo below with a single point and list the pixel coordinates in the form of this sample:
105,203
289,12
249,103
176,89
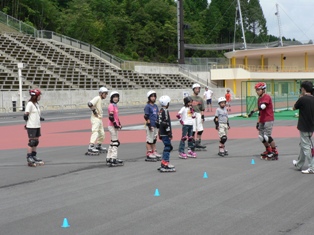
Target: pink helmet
260,85
35,92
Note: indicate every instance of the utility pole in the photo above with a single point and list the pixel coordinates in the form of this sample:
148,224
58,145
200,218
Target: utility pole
180,32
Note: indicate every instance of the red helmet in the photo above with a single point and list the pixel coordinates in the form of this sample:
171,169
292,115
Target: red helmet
35,92
260,85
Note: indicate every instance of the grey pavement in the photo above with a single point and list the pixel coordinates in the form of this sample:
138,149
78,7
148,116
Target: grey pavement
268,197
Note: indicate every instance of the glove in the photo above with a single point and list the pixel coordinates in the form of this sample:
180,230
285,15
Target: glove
257,126
181,122
116,125
170,135
25,117
151,128
178,116
203,118
250,114
42,119
94,112
228,126
217,127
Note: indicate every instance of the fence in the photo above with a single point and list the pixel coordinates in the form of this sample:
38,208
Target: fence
284,94
16,24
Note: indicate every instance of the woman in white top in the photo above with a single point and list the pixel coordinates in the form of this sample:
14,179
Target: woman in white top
33,117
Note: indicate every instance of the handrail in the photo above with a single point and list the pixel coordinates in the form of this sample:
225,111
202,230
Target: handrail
45,34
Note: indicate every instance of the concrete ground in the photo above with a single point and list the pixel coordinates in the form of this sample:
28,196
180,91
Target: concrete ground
238,197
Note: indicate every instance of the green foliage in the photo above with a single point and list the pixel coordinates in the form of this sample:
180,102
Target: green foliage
143,29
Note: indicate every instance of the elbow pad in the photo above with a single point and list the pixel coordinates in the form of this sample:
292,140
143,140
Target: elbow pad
89,104
262,107
111,118
146,117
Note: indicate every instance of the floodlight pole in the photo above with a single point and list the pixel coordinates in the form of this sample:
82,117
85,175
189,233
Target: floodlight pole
241,21
279,24
20,66
180,32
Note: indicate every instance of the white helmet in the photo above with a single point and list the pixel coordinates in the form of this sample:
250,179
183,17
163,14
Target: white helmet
112,94
150,93
103,90
196,85
221,99
164,100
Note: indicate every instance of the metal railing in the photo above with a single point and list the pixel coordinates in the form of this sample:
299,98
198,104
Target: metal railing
17,24
81,45
270,68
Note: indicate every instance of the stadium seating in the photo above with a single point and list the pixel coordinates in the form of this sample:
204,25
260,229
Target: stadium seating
51,65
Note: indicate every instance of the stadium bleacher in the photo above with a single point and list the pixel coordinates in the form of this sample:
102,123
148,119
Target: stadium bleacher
51,65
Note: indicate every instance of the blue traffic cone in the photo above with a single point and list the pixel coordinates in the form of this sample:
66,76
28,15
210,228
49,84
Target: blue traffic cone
157,193
252,162
65,223
205,175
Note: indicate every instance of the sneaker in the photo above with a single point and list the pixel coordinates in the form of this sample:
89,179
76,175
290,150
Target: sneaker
183,155
308,171
191,154
295,162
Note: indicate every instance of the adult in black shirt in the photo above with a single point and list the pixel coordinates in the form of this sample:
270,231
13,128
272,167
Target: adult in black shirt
305,105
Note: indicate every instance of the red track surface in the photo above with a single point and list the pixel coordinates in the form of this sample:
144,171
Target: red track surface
77,132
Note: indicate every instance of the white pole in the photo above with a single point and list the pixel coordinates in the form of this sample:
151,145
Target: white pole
279,24
241,21
20,66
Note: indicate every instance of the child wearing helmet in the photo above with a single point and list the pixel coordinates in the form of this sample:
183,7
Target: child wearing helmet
151,118
114,126
228,100
222,125
32,116
265,122
165,133
186,116
199,107
98,133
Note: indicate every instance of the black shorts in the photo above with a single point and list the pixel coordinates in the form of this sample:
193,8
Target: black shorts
209,101
33,132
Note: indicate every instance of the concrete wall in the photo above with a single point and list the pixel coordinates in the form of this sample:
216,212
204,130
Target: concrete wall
55,100
156,69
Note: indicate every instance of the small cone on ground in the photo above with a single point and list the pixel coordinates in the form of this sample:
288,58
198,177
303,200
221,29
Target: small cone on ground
157,193
205,175
65,223
252,162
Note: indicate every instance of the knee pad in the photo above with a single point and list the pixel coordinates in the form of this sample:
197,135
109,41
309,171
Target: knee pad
270,139
184,138
149,142
168,148
115,143
261,138
33,142
223,139
266,138
193,133
191,139
199,132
